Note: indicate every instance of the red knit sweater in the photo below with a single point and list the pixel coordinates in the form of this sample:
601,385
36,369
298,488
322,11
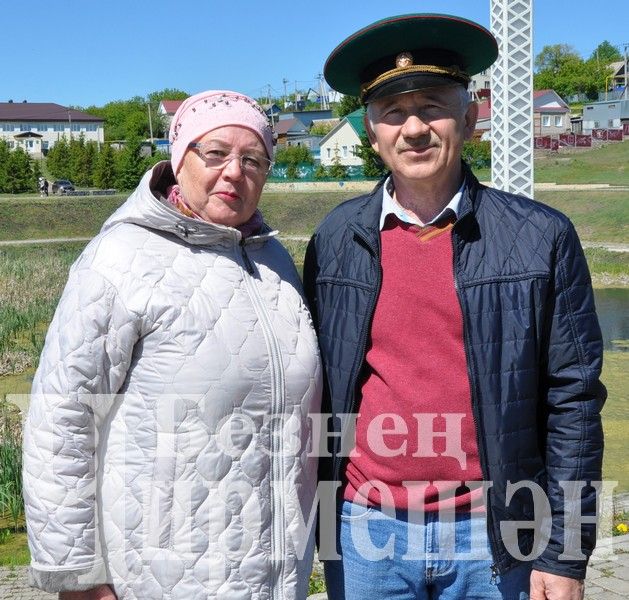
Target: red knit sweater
416,383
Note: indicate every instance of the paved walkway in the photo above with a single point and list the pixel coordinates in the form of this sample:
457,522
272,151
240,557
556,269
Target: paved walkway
607,578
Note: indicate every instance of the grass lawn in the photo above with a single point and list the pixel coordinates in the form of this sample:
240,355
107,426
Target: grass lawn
599,216
606,164
616,419
30,217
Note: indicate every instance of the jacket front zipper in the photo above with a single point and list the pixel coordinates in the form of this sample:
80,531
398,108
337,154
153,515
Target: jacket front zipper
480,441
362,350
278,402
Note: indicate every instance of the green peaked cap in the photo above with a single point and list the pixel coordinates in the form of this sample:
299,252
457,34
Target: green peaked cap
409,52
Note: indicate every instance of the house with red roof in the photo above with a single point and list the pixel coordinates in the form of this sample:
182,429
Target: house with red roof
38,126
551,115
167,109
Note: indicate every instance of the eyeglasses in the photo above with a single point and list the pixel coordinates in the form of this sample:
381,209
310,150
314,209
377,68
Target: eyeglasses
216,158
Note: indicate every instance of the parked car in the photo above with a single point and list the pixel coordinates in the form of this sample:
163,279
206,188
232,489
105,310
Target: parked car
62,186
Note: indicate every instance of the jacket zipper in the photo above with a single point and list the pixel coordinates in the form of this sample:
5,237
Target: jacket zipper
245,258
277,408
362,348
475,411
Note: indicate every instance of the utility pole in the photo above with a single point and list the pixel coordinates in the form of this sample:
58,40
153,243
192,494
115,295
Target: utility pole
625,93
268,97
285,81
148,105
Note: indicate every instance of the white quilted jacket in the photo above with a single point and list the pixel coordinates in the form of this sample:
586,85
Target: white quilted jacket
167,446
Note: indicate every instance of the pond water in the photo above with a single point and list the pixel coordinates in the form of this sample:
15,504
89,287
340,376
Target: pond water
612,306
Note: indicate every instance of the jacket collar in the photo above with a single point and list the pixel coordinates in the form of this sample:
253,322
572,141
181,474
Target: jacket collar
367,217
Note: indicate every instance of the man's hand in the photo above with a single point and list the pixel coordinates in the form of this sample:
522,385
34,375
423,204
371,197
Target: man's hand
102,592
547,586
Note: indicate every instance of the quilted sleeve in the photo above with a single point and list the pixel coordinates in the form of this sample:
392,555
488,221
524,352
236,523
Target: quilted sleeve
574,398
85,359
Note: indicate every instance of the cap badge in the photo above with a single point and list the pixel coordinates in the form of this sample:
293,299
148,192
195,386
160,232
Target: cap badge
403,60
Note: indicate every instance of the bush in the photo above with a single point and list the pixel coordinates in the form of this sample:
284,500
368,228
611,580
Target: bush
293,155
477,153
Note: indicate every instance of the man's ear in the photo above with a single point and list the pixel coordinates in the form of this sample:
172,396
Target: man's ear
371,136
471,116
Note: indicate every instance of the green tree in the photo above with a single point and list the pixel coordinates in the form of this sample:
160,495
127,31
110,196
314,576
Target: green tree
321,172
554,57
563,70
336,169
4,166
605,53
105,168
477,153
372,163
58,159
293,155
130,165
348,104
20,177
82,157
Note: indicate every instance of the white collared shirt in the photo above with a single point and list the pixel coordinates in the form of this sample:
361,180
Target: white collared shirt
390,206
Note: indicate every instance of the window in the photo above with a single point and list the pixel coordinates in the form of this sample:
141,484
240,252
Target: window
487,84
344,151
42,127
595,124
558,121
91,127
59,127
76,127
329,151
545,120
25,127
610,123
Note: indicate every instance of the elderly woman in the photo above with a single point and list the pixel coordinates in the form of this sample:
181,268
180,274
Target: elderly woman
168,448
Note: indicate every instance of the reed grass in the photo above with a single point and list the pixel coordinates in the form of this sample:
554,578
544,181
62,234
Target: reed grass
31,281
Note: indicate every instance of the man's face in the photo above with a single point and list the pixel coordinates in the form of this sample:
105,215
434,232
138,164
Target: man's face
419,135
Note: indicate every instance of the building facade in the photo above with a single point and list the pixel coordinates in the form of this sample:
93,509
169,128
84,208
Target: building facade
38,126
612,114
343,141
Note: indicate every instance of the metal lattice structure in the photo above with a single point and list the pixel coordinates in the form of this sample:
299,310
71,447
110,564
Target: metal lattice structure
512,96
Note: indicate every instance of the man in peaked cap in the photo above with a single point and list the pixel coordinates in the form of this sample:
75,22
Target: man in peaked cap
461,346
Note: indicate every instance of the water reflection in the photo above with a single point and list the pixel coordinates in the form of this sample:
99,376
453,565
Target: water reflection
612,306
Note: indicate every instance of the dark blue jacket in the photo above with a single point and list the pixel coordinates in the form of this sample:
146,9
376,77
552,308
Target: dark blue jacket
532,342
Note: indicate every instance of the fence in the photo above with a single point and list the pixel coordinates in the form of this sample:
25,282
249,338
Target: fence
306,172
577,140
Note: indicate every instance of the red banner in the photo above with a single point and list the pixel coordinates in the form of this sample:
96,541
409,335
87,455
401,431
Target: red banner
542,142
614,135
583,141
625,129
567,139
599,134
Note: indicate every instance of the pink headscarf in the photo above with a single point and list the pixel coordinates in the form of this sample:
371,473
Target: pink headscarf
209,110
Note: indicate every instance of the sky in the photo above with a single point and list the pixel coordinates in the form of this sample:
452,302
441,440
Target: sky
84,52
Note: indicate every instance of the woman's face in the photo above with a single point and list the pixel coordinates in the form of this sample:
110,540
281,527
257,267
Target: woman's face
227,195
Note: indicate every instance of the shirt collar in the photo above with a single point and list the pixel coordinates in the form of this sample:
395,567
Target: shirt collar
391,207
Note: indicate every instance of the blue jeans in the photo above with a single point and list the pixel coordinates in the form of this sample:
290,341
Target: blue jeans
415,556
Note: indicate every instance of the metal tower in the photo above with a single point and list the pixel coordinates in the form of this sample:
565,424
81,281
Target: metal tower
512,97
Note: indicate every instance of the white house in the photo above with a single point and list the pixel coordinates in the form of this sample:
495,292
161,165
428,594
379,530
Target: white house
37,126
343,141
